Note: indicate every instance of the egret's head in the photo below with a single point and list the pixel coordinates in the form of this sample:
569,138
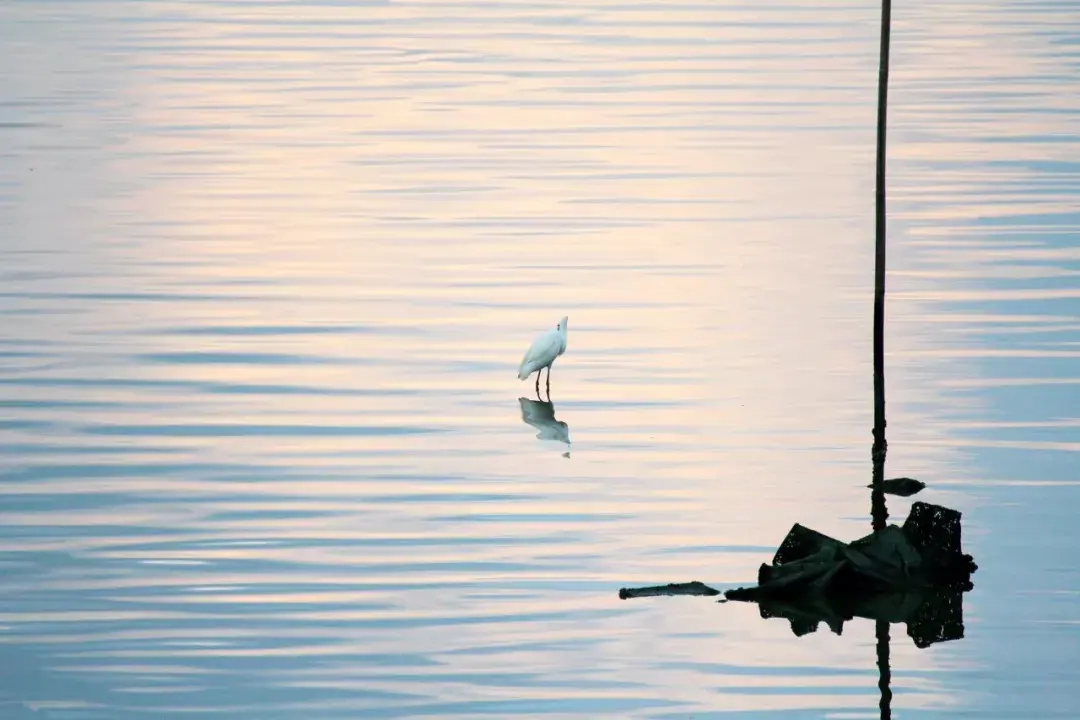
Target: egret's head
561,327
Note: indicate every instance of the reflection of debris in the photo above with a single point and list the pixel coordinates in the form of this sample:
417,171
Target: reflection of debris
914,574
902,486
932,615
690,588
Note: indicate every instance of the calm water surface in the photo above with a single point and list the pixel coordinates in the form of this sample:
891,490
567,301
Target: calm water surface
267,269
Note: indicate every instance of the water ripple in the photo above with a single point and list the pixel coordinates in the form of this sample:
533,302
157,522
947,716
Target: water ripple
268,268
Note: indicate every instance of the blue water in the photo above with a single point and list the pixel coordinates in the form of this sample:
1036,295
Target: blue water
267,270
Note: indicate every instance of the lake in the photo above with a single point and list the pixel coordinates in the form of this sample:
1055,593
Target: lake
267,271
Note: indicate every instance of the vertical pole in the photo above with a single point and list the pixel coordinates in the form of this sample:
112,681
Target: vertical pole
879,254
879,513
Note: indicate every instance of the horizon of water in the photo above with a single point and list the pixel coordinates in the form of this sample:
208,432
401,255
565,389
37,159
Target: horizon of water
267,271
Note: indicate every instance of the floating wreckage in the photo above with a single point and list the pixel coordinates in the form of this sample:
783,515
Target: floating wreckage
915,574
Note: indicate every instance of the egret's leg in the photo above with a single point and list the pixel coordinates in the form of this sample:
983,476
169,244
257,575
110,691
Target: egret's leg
549,384
538,372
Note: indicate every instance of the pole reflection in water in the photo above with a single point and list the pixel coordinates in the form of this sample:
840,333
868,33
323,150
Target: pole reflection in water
884,671
879,514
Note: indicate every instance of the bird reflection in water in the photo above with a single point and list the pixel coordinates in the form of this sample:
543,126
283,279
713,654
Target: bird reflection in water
540,414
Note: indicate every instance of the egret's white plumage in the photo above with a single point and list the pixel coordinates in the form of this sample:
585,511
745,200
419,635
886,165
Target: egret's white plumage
542,353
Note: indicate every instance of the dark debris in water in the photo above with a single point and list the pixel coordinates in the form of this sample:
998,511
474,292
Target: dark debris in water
915,574
690,588
901,486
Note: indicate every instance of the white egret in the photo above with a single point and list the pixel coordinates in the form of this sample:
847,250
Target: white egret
542,353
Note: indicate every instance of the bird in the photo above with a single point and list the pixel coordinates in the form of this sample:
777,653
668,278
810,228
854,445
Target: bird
542,353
